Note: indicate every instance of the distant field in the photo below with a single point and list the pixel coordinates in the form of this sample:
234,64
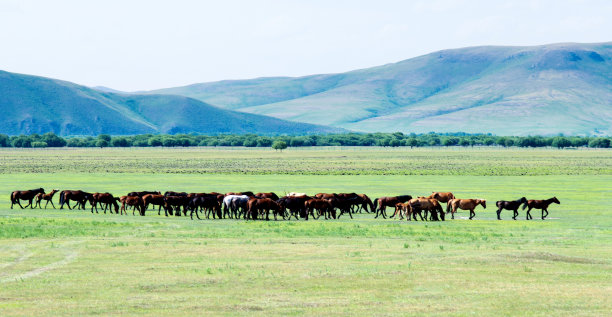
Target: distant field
74,263
310,161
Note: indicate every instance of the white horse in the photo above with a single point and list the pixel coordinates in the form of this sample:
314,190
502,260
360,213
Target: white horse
234,202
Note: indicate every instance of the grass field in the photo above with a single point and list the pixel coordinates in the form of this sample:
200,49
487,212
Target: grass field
56,262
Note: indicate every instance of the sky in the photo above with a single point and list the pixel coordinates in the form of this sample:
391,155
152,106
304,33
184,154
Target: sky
143,45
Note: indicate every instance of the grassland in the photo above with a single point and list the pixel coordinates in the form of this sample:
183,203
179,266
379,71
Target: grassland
74,263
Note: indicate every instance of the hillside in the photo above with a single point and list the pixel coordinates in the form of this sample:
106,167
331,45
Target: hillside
31,104
549,89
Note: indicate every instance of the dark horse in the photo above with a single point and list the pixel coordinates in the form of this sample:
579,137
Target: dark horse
540,204
79,196
510,205
382,203
28,195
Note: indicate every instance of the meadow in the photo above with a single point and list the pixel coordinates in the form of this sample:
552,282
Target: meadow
60,262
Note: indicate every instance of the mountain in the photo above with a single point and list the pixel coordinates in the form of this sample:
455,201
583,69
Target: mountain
31,104
546,90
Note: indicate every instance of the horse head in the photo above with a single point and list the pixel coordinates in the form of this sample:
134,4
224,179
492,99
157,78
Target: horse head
483,202
555,200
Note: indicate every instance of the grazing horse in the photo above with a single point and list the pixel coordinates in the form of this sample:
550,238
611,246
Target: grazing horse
510,205
540,204
270,195
261,207
176,202
171,193
465,204
294,194
207,204
140,194
105,199
442,197
79,196
156,200
28,195
295,204
48,197
383,202
322,207
366,203
233,203
431,206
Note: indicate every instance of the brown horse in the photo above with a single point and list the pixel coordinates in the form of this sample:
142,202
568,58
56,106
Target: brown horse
134,201
270,195
383,202
261,207
79,196
322,207
28,195
105,199
156,200
48,197
442,197
431,206
465,204
540,204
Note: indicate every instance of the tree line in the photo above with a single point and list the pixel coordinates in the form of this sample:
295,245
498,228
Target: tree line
396,139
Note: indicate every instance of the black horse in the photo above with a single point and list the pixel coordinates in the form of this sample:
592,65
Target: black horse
510,205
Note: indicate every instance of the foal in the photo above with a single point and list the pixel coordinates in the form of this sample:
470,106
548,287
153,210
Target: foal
48,197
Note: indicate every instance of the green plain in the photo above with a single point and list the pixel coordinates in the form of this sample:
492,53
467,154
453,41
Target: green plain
60,262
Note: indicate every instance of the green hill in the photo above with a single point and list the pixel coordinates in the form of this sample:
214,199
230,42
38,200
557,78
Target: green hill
31,104
550,89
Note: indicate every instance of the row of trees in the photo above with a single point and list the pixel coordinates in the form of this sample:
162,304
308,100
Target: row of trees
279,142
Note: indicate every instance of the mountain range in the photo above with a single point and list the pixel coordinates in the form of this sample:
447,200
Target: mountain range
32,104
550,89
506,90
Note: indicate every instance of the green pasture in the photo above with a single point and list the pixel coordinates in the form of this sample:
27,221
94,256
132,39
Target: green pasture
61,262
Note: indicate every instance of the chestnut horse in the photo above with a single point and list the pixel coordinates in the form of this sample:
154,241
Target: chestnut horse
48,197
465,204
383,202
510,205
442,197
29,195
540,204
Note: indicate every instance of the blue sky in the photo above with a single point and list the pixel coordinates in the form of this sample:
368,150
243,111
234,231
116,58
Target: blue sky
139,45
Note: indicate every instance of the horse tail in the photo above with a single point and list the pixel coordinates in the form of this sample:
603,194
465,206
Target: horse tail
448,205
375,204
13,197
498,203
525,205
62,198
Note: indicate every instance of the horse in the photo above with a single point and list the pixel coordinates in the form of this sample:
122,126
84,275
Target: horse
176,202
383,202
28,195
510,205
141,194
48,197
431,206
295,204
366,202
540,204
442,197
233,203
79,196
294,194
262,206
322,206
134,201
465,204
270,195
171,193
105,199
156,200
209,204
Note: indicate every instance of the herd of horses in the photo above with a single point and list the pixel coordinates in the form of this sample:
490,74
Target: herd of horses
249,205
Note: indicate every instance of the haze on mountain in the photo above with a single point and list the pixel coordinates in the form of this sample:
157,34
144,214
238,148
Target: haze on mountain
505,90
32,104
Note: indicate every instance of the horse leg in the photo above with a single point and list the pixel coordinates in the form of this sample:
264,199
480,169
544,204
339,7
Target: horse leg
515,213
472,214
499,210
544,216
529,213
